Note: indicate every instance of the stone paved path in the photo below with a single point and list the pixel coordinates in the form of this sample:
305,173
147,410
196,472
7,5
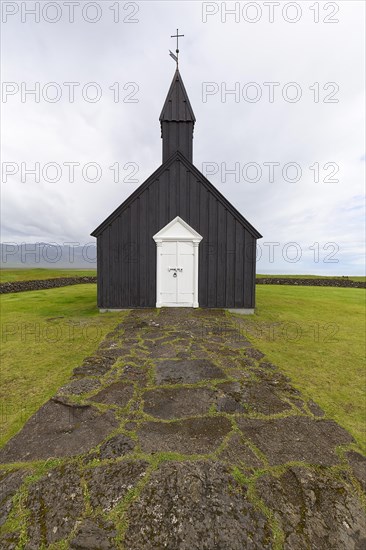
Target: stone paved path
178,434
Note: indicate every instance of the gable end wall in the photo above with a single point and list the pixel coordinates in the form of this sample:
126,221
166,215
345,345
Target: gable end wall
127,251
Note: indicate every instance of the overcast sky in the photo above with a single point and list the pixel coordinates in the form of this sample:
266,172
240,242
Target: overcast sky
313,116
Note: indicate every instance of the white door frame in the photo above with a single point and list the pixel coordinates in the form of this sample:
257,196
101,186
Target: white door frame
177,230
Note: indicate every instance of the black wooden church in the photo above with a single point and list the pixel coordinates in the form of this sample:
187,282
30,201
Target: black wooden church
176,241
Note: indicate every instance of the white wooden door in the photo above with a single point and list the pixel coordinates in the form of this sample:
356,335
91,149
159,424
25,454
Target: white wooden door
177,265
177,274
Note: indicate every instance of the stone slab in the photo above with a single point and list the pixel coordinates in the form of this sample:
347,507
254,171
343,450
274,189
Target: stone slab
117,446
315,510
118,393
358,466
191,436
170,403
109,484
238,453
10,483
187,371
59,430
195,506
296,438
78,387
94,535
55,502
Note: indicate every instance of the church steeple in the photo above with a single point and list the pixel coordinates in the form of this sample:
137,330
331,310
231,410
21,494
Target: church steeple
177,121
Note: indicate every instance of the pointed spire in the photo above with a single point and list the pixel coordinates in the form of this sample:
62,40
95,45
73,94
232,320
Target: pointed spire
177,106
177,121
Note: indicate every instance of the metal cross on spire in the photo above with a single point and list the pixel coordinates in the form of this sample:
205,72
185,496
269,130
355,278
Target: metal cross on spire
177,36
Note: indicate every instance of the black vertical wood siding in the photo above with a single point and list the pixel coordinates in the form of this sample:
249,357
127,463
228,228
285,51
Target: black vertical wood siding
127,252
178,136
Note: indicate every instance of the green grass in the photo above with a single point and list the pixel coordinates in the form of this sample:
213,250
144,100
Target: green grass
351,277
13,275
317,337
45,335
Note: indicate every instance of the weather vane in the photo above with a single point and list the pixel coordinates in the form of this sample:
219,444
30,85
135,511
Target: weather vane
177,36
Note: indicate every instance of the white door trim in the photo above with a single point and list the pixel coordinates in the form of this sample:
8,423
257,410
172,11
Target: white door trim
179,231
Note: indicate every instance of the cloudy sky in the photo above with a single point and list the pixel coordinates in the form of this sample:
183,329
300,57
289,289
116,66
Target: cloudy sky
286,146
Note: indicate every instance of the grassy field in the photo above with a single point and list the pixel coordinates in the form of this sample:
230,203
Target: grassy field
351,277
45,335
12,275
317,337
